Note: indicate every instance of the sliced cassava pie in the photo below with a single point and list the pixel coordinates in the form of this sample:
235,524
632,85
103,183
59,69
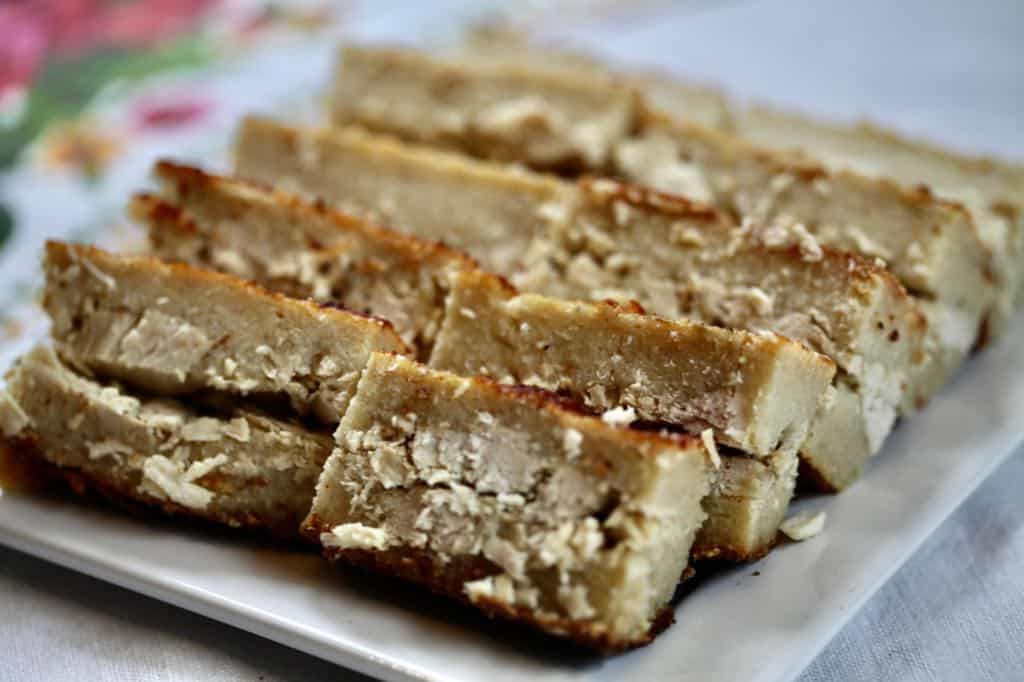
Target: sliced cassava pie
503,498
494,220
503,111
930,244
602,240
755,392
242,468
512,338
993,192
175,329
300,248
758,392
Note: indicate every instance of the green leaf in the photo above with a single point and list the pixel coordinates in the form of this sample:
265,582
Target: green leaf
66,86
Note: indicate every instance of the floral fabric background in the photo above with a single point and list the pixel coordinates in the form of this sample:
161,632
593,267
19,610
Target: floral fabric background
93,91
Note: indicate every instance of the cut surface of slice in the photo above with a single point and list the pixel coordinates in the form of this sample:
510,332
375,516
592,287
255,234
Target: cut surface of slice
992,191
748,501
245,469
300,248
175,329
503,498
756,391
930,244
494,220
505,111
605,240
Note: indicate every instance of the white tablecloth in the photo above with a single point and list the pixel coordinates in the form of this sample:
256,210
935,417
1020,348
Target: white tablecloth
953,71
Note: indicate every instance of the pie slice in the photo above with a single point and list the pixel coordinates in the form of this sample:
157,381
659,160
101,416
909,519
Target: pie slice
503,498
930,244
605,240
493,214
300,248
242,469
756,392
175,329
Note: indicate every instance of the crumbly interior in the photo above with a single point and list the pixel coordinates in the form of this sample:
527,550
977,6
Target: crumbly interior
554,122
603,240
302,250
748,500
584,524
242,469
993,193
935,252
370,176
178,330
751,389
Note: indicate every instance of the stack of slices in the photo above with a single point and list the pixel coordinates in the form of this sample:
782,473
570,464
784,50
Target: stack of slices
404,340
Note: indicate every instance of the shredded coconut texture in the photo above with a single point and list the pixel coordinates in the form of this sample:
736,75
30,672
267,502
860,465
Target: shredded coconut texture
803,526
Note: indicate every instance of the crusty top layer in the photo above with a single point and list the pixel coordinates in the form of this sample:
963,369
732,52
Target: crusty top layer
482,208
933,246
698,383
383,89
174,328
191,192
754,390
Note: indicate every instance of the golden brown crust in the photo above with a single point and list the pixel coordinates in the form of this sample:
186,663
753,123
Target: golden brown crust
25,454
643,196
733,555
186,179
543,399
419,567
808,169
64,255
833,262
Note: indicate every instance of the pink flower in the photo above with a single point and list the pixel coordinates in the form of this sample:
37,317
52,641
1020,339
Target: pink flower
167,113
34,29
147,21
23,48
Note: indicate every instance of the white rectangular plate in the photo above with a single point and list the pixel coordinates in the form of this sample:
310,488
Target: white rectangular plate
738,625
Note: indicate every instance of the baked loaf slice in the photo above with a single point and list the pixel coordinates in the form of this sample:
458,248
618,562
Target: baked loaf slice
604,240
174,329
244,469
758,392
931,245
992,192
495,44
495,221
755,391
300,248
752,389
503,498
501,110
